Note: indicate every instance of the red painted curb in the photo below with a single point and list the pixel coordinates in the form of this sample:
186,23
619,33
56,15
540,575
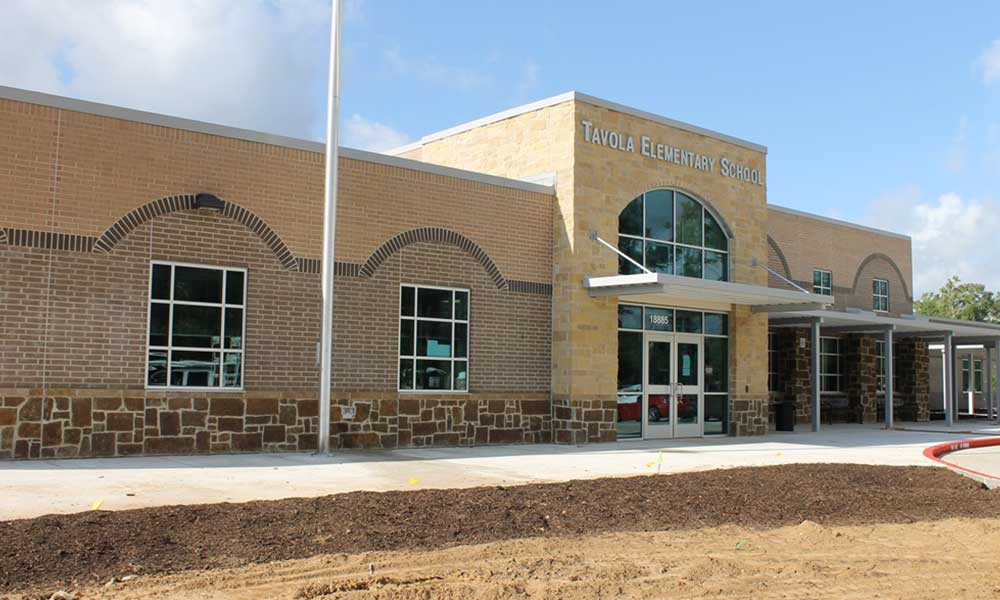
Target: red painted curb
936,452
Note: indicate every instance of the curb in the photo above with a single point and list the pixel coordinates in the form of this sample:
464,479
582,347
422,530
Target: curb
936,452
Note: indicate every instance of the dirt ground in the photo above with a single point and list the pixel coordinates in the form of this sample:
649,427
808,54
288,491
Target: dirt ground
955,558
787,531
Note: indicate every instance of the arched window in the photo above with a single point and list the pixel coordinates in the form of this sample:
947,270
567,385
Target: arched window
671,232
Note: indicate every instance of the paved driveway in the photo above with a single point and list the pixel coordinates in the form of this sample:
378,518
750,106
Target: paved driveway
33,488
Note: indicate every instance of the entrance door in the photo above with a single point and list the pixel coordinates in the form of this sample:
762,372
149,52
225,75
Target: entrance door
672,402
687,376
658,402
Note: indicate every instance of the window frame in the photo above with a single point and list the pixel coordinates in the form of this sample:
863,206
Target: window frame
644,329
773,373
877,297
673,243
823,374
880,368
451,359
819,289
221,350
973,375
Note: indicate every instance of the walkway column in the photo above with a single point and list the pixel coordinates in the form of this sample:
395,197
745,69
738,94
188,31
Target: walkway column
948,370
815,375
956,369
995,399
888,378
988,384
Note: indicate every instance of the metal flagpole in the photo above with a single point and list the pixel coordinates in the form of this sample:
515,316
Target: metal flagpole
329,228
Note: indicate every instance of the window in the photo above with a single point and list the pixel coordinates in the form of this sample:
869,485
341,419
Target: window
713,328
829,359
671,232
880,372
772,362
880,295
433,339
197,324
822,282
977,375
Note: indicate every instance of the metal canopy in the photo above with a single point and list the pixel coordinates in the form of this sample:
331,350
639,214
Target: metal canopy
858,321
762,299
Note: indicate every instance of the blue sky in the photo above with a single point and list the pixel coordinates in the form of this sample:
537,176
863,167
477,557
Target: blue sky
884,113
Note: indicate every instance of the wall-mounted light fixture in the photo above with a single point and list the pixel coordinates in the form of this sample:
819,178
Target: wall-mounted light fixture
209,201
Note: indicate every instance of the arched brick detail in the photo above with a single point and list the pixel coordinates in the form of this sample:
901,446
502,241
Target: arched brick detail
781,256
875,256
438,235
136,217
265,233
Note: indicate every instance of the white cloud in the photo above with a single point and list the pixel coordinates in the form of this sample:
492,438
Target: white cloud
432,71
989,62
529,79
992,154
955,158
359,132
951,236
254,64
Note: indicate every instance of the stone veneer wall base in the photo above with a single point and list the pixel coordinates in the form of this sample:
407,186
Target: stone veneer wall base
104,423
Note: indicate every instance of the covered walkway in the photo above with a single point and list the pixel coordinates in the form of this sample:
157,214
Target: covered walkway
889,331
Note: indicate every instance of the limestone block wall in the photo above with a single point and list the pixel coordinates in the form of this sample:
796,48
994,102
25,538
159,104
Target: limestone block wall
749,399
605,181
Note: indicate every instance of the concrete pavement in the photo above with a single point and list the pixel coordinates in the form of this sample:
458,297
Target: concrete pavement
33,488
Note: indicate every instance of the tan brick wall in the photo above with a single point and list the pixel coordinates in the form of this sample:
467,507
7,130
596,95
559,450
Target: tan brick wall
509,332
594,183
78,319
854,256
73,328
536,142
78,173
106,167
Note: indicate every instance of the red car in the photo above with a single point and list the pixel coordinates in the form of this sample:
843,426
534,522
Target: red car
630,407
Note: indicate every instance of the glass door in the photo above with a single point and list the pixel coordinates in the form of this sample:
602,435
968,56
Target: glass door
688,386
672,402
659,388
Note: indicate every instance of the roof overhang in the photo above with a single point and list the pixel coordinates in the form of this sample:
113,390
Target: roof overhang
858,321
761,298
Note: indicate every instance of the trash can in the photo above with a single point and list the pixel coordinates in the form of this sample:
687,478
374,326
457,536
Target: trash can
784,418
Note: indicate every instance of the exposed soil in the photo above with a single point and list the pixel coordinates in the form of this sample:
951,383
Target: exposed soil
67,551
952,559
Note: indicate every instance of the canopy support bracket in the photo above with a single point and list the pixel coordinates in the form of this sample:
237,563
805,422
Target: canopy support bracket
595,237
757,263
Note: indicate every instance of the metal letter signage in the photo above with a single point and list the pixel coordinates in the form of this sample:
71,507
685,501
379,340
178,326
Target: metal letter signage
647,147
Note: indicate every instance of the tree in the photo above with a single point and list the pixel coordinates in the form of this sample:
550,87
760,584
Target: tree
957,300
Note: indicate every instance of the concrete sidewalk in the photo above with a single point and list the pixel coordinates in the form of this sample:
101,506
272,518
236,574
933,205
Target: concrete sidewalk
33,488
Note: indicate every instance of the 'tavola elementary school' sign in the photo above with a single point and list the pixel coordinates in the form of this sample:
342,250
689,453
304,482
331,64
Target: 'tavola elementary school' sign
667,153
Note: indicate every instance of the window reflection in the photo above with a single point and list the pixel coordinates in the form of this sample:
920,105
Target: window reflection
194,313
670,232
433,339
